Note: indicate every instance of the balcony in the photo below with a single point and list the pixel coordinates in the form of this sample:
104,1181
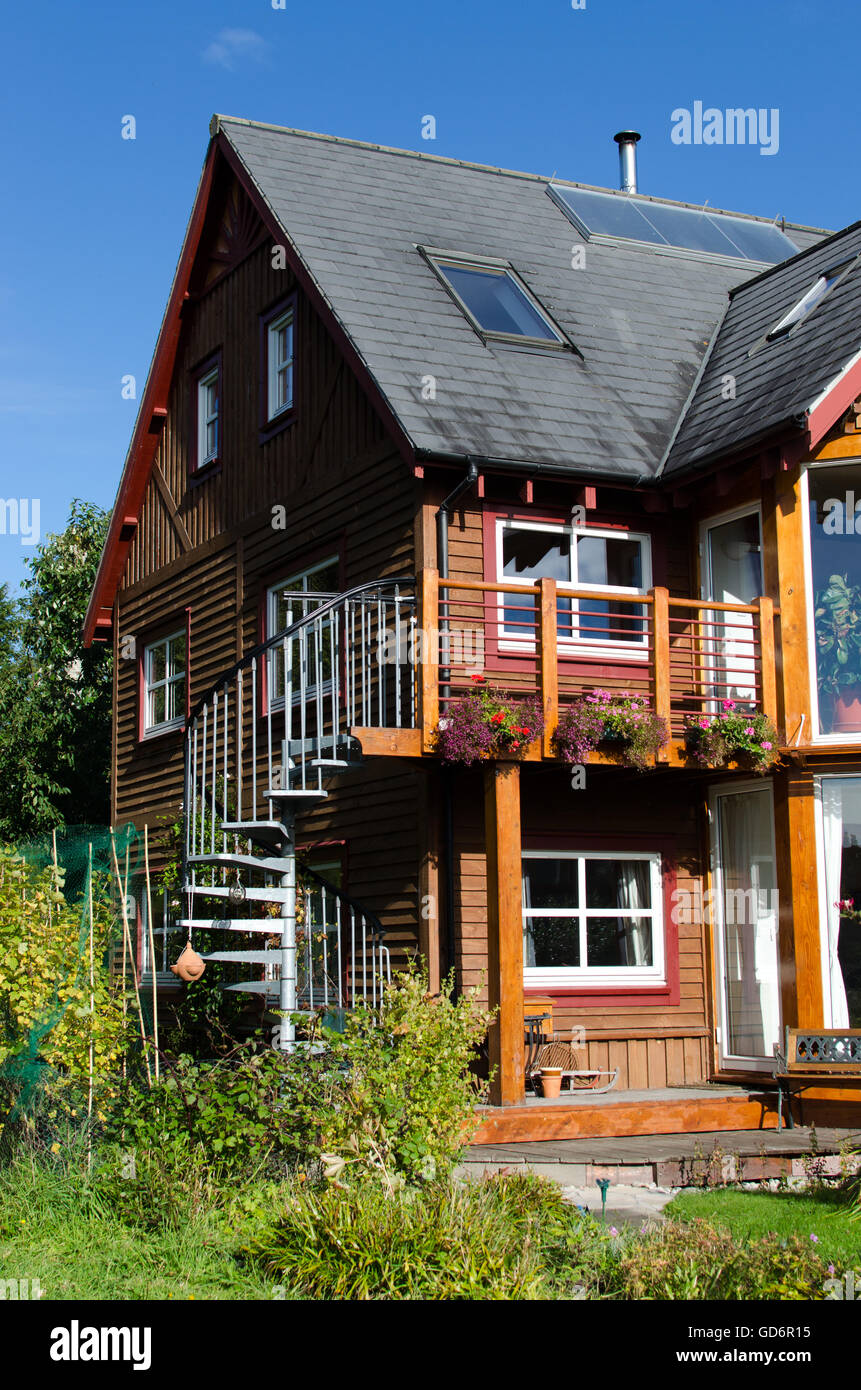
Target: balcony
686,655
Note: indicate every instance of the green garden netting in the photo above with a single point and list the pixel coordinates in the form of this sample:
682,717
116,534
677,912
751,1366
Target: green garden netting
46,880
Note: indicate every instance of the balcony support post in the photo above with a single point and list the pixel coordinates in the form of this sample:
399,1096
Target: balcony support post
504,929
548,662
429,627
661,657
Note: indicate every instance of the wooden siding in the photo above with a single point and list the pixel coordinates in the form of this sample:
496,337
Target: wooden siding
209,544
652,1043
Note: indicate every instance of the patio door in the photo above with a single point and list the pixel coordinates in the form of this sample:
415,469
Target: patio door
745,916
731,549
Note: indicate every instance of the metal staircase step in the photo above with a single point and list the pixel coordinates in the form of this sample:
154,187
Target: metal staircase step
332,764
271,926
242,861
273,957
271,831
297,796
259,895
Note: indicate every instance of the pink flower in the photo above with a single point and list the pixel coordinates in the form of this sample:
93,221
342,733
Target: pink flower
613,1231
768,745
727,704
749,731
815,1239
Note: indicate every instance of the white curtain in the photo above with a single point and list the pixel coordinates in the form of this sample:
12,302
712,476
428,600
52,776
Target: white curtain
528,938
633,892
751,978
832,815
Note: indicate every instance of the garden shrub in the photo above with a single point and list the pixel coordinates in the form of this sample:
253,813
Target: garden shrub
697,1260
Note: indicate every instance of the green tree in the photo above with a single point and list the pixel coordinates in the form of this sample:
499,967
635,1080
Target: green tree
55,696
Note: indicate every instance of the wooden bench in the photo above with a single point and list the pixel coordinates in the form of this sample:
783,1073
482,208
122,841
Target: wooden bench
812,1056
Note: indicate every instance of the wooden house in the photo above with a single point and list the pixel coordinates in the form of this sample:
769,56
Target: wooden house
412,421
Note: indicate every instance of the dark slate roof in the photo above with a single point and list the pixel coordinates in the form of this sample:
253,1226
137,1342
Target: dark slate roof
641,317
776,382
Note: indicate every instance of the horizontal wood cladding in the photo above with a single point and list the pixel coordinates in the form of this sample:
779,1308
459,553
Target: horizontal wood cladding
653,1043
332,436
672,543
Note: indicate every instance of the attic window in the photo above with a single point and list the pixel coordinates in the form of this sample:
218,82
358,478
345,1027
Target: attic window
496,301
808,302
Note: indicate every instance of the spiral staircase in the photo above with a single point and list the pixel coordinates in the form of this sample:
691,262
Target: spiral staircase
262,747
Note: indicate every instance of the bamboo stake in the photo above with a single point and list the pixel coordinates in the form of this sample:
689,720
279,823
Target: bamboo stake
92,1008
128,941
125,979
151,951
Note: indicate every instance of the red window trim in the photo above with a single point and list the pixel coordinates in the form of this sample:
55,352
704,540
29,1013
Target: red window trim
620,996
147,639
600,669
195,468
335,547
270,427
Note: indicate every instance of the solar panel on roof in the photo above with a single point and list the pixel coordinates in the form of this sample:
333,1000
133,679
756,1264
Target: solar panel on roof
693,229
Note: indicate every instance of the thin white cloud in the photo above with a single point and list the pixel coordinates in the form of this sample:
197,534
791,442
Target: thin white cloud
231,46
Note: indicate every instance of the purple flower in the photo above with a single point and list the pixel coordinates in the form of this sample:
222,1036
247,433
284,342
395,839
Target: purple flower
815,1239
613,1231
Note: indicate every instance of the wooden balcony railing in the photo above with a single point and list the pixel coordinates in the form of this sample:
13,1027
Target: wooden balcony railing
686,655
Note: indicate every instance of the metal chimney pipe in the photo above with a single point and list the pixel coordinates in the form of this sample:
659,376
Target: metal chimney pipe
627,142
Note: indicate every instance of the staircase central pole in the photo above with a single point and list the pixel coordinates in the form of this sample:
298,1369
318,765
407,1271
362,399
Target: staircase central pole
287,1002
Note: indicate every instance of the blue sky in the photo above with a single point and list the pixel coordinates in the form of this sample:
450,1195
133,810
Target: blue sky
93,223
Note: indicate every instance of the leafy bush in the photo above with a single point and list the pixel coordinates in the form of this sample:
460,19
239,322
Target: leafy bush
701,1261
487,724
393,1096
509,1237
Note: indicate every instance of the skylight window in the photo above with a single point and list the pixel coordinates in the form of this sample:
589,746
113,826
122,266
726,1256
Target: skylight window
808,302
660,224
496,302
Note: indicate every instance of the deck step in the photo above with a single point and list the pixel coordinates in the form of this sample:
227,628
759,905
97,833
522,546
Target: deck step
242,861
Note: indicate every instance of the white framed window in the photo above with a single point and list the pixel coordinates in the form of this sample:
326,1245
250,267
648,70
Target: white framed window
279,364
596,558
287,602
164,677
208,421
593,918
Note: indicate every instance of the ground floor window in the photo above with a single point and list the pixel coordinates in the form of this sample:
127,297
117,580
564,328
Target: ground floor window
166,942
840,818
592,918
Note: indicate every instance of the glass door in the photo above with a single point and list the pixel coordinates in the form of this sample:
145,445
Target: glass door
732,573
840,879
745,901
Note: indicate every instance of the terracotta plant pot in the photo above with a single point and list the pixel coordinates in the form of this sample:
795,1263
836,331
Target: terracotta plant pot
551,1082
846,715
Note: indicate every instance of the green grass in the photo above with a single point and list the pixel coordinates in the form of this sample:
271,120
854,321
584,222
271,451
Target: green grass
57,1229
823,1213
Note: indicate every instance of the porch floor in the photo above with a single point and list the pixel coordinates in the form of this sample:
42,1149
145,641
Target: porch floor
676,1160
692,1110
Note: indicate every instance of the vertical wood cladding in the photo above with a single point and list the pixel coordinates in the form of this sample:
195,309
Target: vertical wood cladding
343,490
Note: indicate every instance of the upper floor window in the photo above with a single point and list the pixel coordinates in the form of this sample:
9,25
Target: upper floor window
208,402
496,301
592,917
279,365
164,690
577,557
286,603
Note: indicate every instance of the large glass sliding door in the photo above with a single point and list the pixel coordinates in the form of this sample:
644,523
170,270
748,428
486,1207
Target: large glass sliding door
745,900
834,526
840,883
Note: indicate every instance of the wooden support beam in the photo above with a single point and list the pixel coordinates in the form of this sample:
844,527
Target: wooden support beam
504,929
768,669
661,640
526,492
548,662
784,552
429,880
428,636
798,899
